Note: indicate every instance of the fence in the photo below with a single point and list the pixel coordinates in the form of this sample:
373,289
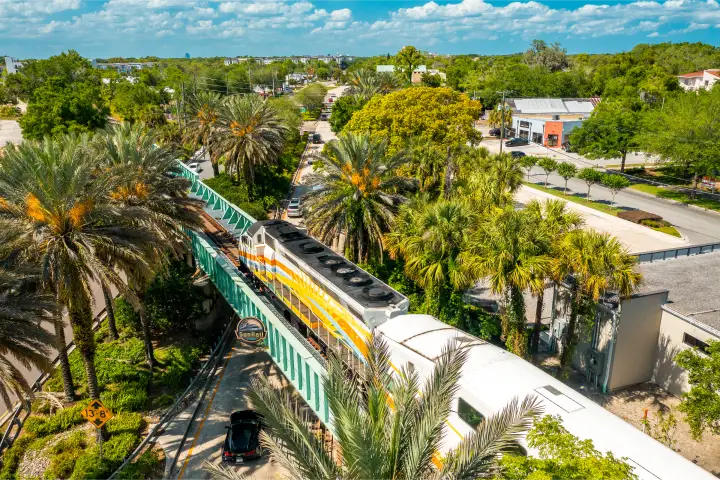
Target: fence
649,257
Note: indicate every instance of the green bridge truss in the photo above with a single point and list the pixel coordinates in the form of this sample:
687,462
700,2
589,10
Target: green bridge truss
292,353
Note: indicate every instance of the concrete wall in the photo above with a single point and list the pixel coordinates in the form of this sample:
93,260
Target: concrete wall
666,373
633,358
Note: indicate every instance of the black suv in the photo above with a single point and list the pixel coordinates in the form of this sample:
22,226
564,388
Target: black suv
242,441
516,142
494,132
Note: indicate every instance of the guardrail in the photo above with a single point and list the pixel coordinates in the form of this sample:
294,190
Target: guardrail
649,257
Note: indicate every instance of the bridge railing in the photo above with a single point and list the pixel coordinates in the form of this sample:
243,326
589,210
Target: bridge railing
239,220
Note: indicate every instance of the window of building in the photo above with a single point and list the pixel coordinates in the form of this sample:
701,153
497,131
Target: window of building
537,137
552,140
468,414
694,342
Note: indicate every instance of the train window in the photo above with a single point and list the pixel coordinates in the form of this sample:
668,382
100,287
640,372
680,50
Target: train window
694,342
468,414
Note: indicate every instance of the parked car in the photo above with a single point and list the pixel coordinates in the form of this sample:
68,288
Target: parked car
242,440
567,147
517,154
194,167
494,132
317,138
294,208
516,142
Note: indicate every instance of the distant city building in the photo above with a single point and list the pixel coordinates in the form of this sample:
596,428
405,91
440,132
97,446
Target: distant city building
340,59
421,70
121,67
12,64
699,80
296,79
385,69
235,61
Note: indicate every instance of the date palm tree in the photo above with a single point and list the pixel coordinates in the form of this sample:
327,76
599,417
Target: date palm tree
383,440
147,180
555,220
23,341
357,193
57,204
593,263
250,134
201,126
509,251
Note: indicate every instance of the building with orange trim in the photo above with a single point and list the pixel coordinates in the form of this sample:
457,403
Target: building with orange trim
549,131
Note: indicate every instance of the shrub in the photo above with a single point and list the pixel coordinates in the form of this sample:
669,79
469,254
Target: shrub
12,456
125,397
9,111
89,465
148,465
172,301
163,401
62,465
125,423
121,361
76,441
62,421
125,316
178,363
119,447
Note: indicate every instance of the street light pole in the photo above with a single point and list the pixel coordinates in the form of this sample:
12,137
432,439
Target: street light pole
502,118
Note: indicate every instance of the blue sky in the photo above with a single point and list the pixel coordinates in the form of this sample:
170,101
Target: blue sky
102,28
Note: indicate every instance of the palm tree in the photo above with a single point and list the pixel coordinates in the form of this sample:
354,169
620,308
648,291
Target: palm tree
592,263
364,84
201,126
357,193
430,236
23,342
146,181
380,439
250,134
553,219
56,203
508,250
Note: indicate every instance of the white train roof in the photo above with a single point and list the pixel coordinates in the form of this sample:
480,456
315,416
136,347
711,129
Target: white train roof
494,376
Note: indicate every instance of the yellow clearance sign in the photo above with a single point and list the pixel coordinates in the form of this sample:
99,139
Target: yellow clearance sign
96,413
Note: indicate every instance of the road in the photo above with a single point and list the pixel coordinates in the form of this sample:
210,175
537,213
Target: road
697,226
228,394
10,132
323,128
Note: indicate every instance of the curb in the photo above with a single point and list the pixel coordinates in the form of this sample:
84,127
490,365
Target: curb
674,202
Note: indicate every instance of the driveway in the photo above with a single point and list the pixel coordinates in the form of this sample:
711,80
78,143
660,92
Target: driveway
10,132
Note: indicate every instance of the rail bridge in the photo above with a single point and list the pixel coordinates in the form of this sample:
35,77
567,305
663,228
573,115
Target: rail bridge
215,250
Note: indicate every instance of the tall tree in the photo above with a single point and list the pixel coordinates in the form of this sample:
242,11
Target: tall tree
202,123
409,58
685,133
551,57
593,263
501,118
567,171
312,96
610,132
439,115
509,251
56,204
250,134
381,441
145,181
23,341
554,220
356,193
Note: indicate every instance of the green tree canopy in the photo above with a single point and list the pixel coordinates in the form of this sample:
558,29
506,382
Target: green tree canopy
552,57
610,132
312,96
343,110
439,115
562,455
701,404
686,132
133,101
409,58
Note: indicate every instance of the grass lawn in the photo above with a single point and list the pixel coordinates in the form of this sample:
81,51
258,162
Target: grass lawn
669,229
662,192
572,198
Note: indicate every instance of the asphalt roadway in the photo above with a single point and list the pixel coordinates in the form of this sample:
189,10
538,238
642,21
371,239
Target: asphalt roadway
10,132
227,394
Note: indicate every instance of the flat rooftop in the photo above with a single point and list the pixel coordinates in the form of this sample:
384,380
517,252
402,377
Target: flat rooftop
692,283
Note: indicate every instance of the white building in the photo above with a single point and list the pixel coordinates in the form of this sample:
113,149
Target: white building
235,61
385,69
696,80
12,64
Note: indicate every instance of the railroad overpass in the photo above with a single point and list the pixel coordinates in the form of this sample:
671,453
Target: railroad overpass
216,253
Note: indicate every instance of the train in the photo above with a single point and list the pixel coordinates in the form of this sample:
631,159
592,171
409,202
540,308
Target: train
339,305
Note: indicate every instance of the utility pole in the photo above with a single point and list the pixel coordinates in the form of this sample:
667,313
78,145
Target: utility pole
502,117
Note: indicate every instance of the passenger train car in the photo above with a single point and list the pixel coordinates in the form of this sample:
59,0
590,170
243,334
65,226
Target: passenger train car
340,302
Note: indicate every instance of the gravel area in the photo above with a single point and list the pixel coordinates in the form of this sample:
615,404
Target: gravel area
35,462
